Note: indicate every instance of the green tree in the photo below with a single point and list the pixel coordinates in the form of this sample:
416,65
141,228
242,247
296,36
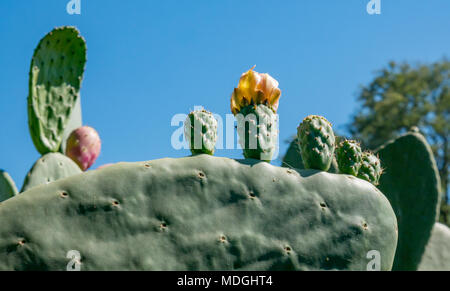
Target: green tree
402,96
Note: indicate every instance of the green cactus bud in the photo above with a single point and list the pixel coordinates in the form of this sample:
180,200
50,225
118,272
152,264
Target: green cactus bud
293,158
49,168
200,130
316,142
258,131
370,169
55,79
349,157
8,188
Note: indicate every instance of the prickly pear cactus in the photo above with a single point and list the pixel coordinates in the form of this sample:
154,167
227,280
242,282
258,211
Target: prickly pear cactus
412,185
437,251
49,168
56,74
258,132
349,157
181,214
8,188
293,158
316,142
200,129
370,169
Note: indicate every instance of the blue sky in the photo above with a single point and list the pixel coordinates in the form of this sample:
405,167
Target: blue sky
149,60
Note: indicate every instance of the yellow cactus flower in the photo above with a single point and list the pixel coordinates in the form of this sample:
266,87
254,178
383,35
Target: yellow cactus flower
255,88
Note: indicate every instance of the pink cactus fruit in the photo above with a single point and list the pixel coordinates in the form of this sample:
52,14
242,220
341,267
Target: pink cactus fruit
83,146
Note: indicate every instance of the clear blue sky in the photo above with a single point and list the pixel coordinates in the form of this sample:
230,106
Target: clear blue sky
149,60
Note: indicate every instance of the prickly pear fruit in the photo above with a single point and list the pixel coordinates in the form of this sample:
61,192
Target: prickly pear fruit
370,169
254,103
316,141
200,129
349,157
83,146
55,80
50,168
8,188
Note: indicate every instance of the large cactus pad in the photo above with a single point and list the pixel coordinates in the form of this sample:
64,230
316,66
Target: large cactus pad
199,213
411,183
55,79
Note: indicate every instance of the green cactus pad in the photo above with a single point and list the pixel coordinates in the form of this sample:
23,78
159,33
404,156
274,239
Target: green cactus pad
75,122
437,251
370,169
55,79
199,213
316,141
201,132
258,131
411,183
349,157
8,188
49,168
293,158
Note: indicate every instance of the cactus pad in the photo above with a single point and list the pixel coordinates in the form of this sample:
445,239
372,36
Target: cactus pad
55,79
411,183
199,213
49,168
316,142
200,130
437,251
7,186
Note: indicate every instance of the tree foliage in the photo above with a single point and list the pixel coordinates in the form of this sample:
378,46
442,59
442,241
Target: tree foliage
402,96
